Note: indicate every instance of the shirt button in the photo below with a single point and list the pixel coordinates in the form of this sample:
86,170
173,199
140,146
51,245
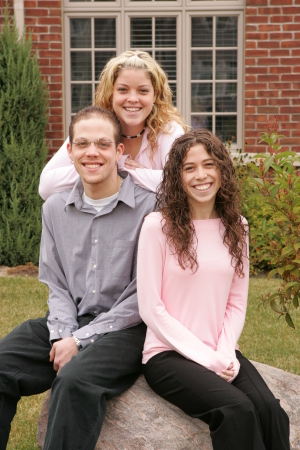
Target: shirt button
87,334
92,340
94,292
95,266
95,312
110,326
96,240
60,331
52,331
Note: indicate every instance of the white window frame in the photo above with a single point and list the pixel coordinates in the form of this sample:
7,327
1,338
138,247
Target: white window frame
124,10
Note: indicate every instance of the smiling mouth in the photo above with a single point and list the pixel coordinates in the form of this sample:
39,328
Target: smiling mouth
92,166
203,187
132,109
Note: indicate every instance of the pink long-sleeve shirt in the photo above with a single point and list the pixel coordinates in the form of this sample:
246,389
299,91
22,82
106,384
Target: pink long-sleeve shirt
60,174
200,315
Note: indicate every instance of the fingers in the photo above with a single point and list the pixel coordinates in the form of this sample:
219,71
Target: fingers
132,164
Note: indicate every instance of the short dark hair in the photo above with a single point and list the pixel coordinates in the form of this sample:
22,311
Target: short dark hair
102,113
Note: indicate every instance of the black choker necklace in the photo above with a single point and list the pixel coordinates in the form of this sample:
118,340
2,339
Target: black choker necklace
133,137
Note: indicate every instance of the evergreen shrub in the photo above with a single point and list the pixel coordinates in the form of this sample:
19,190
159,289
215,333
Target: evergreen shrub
23,121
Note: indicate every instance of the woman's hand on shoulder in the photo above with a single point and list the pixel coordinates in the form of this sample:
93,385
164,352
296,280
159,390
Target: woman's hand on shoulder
227,374
132,164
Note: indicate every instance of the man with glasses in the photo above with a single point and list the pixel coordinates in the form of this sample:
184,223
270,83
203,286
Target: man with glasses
89,346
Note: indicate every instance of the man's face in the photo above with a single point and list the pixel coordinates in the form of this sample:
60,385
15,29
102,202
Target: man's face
96,162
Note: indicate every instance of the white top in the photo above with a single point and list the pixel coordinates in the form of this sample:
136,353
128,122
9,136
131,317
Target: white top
200,315
60,174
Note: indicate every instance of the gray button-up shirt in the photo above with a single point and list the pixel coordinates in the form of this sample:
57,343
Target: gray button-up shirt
88,260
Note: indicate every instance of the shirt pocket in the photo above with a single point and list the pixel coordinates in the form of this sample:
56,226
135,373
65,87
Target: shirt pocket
121,259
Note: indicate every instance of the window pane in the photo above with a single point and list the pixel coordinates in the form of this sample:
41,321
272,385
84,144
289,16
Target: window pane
226,97
165,32
202,122
226,128
202,33
80,33
226,35
81,96
226,64
105,33
101,58
201,97
141,32
173,87
81,66
201,65
167,60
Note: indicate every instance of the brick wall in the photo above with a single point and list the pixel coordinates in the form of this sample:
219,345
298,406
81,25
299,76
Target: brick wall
272,70
44,19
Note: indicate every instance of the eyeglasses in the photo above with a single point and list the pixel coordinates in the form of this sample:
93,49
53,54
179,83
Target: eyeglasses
101,144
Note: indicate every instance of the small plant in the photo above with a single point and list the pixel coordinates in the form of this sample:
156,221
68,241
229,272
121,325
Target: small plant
277,189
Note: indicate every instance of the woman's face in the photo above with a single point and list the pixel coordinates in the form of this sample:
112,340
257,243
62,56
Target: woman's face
201,178
133,98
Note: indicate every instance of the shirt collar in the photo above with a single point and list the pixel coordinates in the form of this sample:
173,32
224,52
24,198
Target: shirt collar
126,194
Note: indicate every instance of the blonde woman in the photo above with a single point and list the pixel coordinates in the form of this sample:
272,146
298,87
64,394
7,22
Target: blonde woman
135,87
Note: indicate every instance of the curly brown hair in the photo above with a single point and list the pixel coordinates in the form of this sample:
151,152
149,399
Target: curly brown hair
172,201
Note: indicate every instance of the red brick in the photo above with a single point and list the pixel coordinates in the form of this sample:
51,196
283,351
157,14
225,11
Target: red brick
56,45
50,37
30,21
256,86
250,110
55,29
281,18
281,70
250,44
36,12
269,28
55,12
278,52
290,77
267,110
290,27
277,101
268,44
256,53
250,78
50,54
268,79
267,93
256,101
29,4
257,2
256,19
250,94
250,62
290,93
291,141
39,29
290,44
269,11
49,20
43,62
256,70
290,10
257,36
295,52
280,86
279,2
268,62
290,109
49,4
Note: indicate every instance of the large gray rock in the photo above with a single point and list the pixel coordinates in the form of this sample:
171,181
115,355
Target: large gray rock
139,419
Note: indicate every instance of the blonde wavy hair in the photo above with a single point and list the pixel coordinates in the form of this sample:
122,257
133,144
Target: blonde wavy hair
163,111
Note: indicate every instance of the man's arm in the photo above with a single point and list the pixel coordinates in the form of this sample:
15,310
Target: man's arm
62,320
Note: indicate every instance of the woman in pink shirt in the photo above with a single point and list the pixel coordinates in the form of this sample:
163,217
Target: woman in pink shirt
192,276
135,87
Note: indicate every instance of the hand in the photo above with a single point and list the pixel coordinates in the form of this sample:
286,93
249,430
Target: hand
228,373
132,164
62,351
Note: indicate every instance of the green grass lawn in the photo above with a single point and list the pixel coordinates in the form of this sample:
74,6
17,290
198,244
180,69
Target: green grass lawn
265,339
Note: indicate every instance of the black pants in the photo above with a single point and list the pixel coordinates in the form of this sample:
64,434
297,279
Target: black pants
243,415
101,370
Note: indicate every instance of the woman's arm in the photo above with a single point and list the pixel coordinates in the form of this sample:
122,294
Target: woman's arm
235,313
59,173
168,329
